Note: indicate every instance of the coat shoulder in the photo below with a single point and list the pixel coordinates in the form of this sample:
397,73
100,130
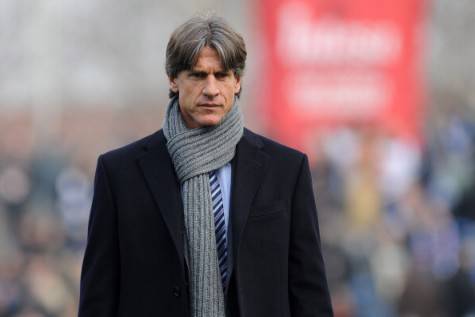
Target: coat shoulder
132,150
274,149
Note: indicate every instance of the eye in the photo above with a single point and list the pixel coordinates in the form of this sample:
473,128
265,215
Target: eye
221,75
198,75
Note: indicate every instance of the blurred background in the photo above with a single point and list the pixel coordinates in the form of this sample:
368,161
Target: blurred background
379,93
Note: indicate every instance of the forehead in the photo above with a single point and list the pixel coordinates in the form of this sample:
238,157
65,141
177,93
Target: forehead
208,58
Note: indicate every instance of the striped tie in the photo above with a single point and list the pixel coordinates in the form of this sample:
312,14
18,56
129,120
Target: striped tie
220,225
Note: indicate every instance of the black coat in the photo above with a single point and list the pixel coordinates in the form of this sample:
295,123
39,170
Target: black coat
134,263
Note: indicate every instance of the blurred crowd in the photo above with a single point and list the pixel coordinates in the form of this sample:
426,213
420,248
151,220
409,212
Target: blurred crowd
397,220
46,186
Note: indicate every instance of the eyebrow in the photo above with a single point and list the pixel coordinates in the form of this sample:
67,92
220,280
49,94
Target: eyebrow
197,72
202,72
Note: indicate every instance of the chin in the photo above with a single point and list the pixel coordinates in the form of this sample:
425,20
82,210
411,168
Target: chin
210,121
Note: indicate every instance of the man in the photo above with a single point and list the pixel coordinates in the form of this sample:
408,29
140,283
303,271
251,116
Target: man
203,218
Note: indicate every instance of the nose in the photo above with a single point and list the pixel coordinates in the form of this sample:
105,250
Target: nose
211,88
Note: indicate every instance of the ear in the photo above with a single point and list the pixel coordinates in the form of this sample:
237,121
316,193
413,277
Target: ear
173,84
237,85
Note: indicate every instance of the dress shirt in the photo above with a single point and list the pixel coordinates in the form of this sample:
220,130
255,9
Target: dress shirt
224,179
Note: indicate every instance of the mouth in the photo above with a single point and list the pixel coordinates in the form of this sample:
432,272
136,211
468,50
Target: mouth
209,105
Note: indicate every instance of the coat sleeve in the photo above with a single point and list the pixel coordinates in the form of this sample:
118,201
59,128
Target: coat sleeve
308,290
100,269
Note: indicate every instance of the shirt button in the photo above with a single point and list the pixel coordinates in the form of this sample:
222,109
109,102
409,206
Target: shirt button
176,291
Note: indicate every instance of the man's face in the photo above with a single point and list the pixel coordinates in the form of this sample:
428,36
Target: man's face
206,92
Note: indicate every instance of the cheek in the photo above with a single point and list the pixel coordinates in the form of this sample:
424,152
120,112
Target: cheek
229,90
188,95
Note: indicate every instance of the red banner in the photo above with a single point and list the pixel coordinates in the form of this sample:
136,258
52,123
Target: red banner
328,63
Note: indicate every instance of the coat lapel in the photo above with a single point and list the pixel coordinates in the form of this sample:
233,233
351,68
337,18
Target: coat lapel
248,168
159,174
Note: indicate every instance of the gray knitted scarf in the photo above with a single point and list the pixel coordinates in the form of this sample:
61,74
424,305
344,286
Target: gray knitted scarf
196,152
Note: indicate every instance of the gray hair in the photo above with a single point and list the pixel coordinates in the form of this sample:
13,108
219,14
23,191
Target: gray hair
189,38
